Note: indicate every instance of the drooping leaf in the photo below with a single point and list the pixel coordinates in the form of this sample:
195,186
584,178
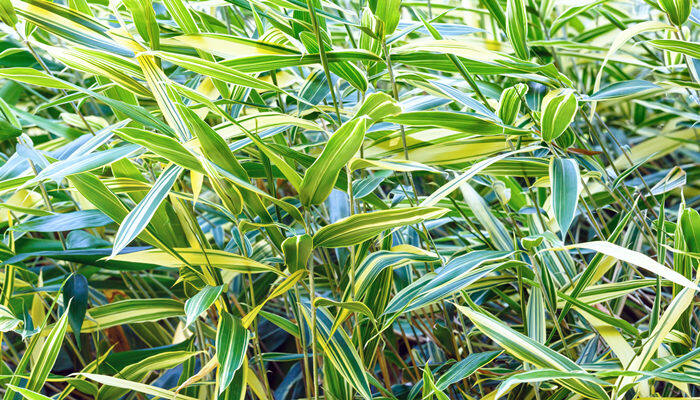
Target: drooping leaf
564,176
75,293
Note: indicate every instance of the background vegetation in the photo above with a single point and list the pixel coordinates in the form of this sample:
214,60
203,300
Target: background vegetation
344,199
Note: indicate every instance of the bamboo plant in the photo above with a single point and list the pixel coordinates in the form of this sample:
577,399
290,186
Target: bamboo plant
339,199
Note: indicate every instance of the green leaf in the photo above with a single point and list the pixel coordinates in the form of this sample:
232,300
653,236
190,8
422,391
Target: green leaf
7,13
297,250
105,200
465,368
497,231
619,90
138,371
144,18
75,293
360,227
64,222
180,257
28,394
200,302
565,179
8,321
48,353
320,178
620,40
677,11
516,27
460,180
666,322
369,269
135,386
572,12
162,145
509,103
558,110
71,25
429,388
388,12
496,12
339,350
141,215
455,276
82,163
33,77
378,106
528,350
283,287
473,124
231,345
131,311
10,127
637,259
536,322
545,375
216,70
691,49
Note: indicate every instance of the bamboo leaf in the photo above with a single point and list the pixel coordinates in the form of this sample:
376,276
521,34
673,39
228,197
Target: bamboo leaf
527,350
564,175
200,302
339,351
297,250
231,344
48,353
360,227
558,110
141,215
637,259
341,147
516,27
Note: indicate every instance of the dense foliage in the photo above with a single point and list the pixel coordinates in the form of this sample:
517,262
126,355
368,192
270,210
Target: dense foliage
344,199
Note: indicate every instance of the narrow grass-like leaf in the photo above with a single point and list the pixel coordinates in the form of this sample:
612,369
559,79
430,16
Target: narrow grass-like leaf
283,287
360,227
200,302
75,165
465,368
564,176
217,258
48,353
138,371
544,375
637,259
516,27
524,348
141,215
135,386
231,345
341,147
558,110
131,311
339,350
65,222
